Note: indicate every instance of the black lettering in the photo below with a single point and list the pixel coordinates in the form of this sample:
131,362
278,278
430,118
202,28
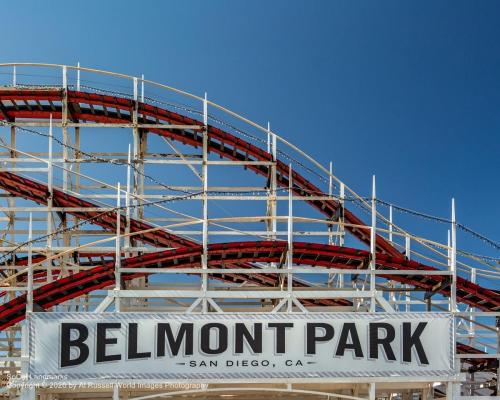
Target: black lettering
221,336
254,341
67,344
311,337
280,335
103,341
413,340
375,340
132,344
349,330
174,343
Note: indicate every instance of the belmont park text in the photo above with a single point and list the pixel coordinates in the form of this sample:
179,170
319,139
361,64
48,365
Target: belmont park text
217,342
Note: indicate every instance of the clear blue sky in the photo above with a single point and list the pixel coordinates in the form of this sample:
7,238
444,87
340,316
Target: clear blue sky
406,90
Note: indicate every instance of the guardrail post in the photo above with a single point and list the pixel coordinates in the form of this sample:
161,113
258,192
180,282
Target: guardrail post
390,223
64,77
78,77
135,88
408,247
142,88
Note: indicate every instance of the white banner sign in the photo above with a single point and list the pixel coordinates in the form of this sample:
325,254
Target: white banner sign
241,346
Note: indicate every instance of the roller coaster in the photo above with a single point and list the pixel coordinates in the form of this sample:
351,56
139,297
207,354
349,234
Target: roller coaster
123,194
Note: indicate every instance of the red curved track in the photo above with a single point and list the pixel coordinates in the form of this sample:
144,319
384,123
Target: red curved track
41,103
219,255
38,192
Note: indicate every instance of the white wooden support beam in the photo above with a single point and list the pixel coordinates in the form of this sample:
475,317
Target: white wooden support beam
127,200
371,391
49,200
341,226
373,248
118,250
289,257
194,305
330,193
279,306
116,392
215,306
103,305
29,304
453,260
384,303
472,322
274,184
204,175
65,150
